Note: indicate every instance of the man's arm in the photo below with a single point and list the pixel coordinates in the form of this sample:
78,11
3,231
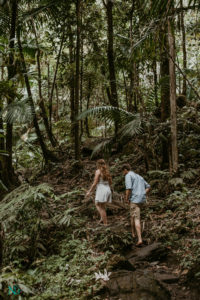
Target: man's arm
129,185
147,190
127,196
147,187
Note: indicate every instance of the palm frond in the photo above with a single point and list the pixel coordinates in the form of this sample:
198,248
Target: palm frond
35,11
18,111
4,23
108,113
105,147
150,102
131,129
7,90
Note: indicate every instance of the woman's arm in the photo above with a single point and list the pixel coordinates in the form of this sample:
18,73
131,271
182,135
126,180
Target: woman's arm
95,182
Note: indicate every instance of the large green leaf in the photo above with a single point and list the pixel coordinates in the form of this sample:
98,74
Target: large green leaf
109,113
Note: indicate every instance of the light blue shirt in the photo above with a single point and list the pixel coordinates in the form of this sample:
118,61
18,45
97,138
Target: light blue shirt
137,185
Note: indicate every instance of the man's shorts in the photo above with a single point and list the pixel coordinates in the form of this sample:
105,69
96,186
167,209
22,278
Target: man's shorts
135,210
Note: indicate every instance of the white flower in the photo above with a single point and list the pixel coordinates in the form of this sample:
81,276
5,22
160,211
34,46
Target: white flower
72,281
66,267
104,276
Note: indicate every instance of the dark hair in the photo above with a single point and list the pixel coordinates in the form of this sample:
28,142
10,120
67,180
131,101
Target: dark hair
126,167
101,165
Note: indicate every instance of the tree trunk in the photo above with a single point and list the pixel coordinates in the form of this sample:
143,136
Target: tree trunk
57,103
2,146
165,92
46,153
41,102
88,104
77,79
184,91
110,54
164,72
48,80
174,146
11,73
133,84
1,245
126,91
72,95
54,81
81,83
155,77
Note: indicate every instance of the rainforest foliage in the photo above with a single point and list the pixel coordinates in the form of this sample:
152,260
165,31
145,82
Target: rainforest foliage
85,79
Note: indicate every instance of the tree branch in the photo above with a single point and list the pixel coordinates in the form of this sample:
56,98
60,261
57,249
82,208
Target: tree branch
104,3
183,74
178,10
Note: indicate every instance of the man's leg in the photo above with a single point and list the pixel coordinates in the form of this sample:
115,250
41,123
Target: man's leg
138,230
133,226
135,221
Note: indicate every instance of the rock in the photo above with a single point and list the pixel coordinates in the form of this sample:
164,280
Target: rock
167,278
118,262
155,251
138,285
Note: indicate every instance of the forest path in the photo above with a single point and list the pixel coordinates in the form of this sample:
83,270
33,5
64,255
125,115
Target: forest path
152,263
159,274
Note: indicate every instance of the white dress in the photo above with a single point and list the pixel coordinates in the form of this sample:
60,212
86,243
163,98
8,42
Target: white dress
103,192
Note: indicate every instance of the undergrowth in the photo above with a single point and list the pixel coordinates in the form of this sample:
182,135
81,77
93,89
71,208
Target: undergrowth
176,224
49,250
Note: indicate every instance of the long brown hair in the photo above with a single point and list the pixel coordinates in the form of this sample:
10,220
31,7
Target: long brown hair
101,165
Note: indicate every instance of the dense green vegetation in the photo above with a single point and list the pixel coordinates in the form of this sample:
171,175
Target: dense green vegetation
80,80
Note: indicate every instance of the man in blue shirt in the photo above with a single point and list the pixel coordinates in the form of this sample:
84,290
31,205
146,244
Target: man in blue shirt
136,190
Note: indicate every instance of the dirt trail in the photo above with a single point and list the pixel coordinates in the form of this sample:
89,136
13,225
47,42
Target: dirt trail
151,268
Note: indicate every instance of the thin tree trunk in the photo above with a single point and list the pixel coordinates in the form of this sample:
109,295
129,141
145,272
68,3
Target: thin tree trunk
88,104
165,92
11,73
164,72
48,80
57,103
184,91
155,77
2,146
110,54
46,153
1,245
41,103
81,82
71,60
54,81
174,146
133,85
4,174
77,79
126,91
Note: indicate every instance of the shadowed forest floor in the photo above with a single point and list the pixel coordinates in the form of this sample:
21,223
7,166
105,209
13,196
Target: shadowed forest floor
59,246
158,223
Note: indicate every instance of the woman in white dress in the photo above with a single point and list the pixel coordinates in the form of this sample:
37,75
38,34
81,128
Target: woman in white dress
102,183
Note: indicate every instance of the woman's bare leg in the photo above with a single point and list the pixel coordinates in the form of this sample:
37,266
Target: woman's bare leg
103,214
101,209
